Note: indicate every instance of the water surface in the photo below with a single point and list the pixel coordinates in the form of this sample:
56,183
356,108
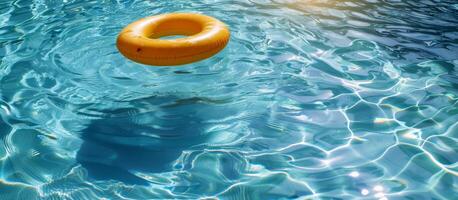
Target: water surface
320,99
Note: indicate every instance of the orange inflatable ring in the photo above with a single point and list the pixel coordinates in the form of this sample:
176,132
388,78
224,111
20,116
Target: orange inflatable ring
140,41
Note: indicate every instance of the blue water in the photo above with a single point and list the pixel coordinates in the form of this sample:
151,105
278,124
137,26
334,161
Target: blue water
319,99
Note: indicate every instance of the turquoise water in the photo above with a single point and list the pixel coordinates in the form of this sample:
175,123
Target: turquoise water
316,99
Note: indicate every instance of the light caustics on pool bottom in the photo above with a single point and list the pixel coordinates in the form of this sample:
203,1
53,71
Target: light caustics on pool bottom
310,100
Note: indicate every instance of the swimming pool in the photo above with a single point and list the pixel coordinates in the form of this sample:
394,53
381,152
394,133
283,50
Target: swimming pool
310,100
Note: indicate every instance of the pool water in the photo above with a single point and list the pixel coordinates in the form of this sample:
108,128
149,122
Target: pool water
311,99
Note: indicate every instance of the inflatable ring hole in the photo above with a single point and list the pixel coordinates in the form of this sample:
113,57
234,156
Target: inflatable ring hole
175,28
172,37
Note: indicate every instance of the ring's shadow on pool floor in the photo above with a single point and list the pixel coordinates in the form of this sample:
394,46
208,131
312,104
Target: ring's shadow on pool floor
150,142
